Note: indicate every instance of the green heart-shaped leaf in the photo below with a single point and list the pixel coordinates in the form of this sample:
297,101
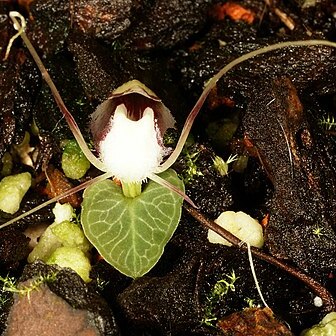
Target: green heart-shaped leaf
131,233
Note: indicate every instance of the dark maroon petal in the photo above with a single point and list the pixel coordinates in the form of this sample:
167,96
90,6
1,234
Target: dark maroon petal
136,97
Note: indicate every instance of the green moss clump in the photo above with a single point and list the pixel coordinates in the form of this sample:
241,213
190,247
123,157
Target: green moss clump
74,163
12,190
64,244
73,258
56,235
327,327
71,235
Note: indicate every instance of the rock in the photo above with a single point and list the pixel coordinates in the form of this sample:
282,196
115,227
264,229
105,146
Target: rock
45,313
161,305
64,305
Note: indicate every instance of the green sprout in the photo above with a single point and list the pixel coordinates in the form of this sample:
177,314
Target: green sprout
116,45
3,300
217,293
222,287
101,284
250,302
223,166
10,284
170,138
80,102
208,319
318,231
192,169
328,122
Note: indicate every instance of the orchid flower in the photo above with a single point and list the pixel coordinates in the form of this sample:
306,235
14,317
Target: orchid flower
128,131
128,127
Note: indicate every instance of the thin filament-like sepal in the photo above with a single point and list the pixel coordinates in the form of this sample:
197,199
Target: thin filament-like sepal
59,197
213,81
20,30
67,115
171,187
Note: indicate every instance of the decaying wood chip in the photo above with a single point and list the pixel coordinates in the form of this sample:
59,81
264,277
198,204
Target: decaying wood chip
253,321
234,11
58,184
285,19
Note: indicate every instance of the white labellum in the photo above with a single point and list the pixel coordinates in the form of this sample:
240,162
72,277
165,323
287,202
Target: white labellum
127,131
130,150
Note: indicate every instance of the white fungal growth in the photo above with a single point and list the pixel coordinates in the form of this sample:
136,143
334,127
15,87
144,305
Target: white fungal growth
130,150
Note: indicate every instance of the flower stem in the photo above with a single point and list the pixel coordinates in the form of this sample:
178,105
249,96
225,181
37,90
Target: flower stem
131,189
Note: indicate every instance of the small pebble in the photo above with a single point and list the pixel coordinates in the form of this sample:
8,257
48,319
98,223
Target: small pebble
318,301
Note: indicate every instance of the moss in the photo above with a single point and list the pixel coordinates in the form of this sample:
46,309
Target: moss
73,258
74,163
64,244
327,327
12,190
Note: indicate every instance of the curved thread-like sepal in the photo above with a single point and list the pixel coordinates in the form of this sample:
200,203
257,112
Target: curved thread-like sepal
59,197
213,81
67,115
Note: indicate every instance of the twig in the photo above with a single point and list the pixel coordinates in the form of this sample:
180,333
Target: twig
285,19
317,288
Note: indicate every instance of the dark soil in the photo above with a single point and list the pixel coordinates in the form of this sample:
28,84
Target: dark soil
270,110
